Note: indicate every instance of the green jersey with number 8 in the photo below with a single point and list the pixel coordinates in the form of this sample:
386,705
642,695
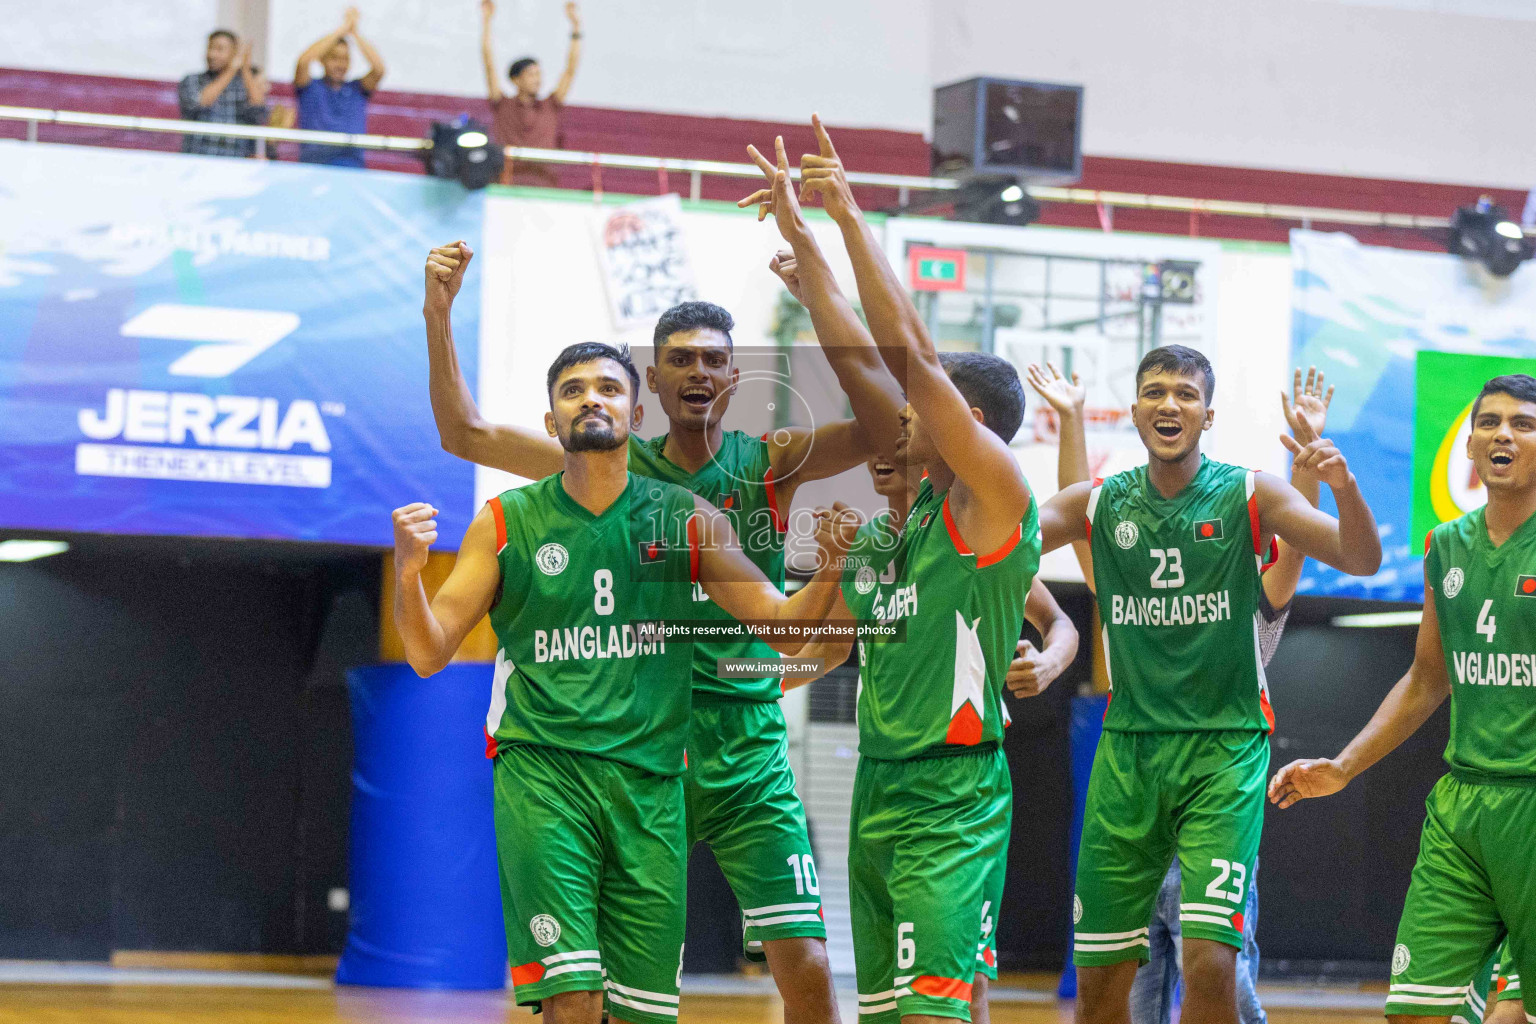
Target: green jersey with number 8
1485,599
577,668
1178,588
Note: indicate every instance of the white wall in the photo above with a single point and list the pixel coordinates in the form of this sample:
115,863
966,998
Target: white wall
133,38
1380,88
859,62
1339,88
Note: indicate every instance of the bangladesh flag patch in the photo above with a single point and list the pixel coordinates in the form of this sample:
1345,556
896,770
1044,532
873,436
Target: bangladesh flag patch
1208,529
1525,586
652,551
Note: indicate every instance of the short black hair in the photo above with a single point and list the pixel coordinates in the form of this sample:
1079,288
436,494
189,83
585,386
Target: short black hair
590,351
989,383
1178,359
1521,386
520,65
693,316
234,40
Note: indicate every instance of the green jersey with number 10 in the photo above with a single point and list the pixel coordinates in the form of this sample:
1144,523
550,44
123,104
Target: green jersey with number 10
1178,588
738,481
1485,600
577,668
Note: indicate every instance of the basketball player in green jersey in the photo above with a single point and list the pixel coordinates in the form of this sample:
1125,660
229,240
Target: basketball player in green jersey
1181,765
590,701
740,788
932,801
1475,879
1032,669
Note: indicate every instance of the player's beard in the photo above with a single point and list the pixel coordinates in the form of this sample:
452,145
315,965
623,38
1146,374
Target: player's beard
593,433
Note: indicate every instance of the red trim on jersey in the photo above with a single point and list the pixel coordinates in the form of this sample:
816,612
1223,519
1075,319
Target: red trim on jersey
779,522
1093,485
985,560
1109,699
693,549
1253,520
954,531
1427,538
944,988
500,515
965,727
1269,714
1272,557
987,957
490,744
1237,921
1002,552
527,974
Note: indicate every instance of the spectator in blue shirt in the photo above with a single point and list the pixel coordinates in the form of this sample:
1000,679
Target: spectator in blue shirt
333,104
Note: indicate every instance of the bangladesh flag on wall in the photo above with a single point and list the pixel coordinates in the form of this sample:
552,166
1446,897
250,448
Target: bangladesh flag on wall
1445,486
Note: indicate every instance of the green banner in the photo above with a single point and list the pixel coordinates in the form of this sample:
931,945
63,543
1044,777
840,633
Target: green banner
1445,486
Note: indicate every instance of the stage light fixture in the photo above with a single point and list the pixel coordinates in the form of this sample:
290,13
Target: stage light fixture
463,150
30,550
995,201
1486,233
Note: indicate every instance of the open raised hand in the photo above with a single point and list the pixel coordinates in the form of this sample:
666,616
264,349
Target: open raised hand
1306,407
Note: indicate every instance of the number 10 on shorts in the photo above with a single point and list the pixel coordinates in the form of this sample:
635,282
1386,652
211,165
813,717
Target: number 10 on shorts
805,874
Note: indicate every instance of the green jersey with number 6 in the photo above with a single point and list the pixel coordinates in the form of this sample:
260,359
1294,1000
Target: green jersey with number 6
577,668
1485,599
739,482
1178,588
937,688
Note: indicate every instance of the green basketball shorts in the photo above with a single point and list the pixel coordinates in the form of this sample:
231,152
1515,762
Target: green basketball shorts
742,802
927,852
1473,885
1153,796
1497,979
593,868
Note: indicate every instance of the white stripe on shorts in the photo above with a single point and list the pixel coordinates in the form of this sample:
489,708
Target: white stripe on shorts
779,908
579,965
1205,919
1105,947
640,993
764,922
1209,908
1432,990
584,954
670,1011
877,997
1108,936
1425,1000
875,1007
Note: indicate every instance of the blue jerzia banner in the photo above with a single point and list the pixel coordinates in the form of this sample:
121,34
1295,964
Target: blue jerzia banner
222,347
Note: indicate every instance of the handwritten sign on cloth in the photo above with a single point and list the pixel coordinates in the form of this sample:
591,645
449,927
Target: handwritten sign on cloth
644,254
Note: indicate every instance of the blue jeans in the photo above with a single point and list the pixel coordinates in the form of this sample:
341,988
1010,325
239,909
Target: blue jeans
1156,988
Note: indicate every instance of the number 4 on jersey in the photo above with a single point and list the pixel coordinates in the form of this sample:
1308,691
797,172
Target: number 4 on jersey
1487,625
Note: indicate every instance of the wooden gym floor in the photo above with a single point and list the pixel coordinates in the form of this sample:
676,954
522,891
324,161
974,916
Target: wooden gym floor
205,1004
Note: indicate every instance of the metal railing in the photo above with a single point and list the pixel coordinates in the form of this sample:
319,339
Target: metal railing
1106,202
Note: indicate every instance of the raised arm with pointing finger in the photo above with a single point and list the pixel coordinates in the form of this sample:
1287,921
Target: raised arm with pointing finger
994,497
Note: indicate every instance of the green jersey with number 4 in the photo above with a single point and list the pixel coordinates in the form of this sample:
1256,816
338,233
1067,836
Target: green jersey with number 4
739,482
1485,599
577,668
1178,588
937,688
